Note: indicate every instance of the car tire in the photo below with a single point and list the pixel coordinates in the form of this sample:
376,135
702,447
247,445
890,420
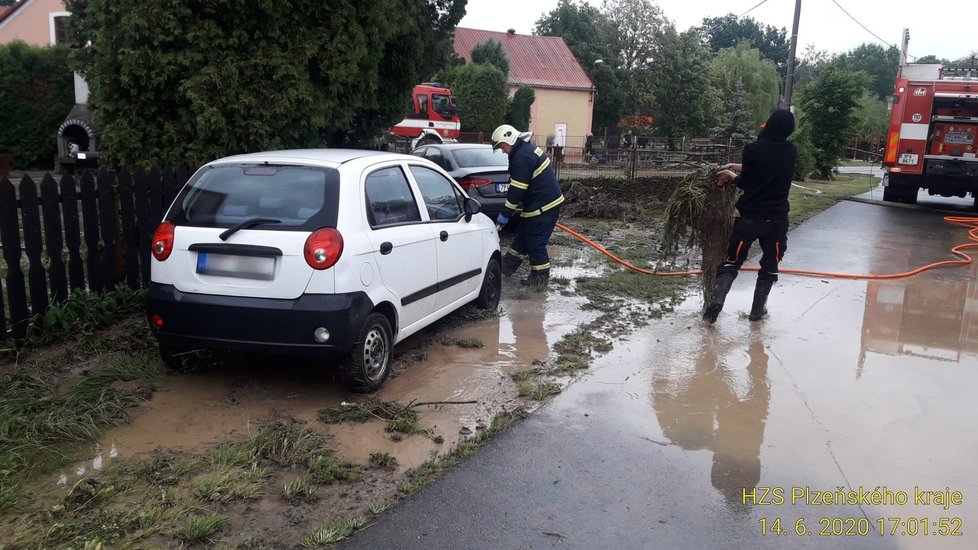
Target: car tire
185,360
492,286
369,364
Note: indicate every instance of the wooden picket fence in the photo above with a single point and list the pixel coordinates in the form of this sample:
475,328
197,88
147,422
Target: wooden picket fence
90,232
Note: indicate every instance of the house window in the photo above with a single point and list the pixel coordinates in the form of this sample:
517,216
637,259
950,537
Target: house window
61,32
58,27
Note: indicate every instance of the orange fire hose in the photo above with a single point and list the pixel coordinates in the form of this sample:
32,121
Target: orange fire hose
963,258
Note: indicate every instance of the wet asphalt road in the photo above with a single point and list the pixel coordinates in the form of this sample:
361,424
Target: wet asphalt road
848,386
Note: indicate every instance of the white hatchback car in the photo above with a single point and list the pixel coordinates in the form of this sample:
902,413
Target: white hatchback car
320,252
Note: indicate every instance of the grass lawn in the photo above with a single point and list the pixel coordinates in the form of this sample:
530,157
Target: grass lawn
816,195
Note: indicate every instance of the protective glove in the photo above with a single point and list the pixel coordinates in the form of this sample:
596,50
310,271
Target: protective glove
501,220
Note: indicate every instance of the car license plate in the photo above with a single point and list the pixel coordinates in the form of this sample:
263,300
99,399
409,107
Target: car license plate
908,158
502,187
261,268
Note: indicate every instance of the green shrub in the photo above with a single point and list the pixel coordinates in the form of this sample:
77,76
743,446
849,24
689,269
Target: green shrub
37,93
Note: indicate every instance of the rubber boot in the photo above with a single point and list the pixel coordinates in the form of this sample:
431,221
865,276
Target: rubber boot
511,263
538,278
724,280
759,308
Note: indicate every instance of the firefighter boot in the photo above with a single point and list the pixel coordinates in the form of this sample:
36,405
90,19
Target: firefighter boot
724,280
511,262
759,308
538,279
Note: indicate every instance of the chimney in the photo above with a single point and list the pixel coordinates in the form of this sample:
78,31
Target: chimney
511,32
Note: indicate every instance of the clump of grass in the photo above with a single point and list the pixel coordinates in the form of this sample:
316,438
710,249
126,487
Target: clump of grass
567,364
300,490
400,418
285,443
700,213
538,392
523,375
333,532
469,343
385,461
202,528
582,343
326,468
228,483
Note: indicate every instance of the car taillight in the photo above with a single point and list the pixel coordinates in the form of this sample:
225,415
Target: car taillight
472,183
323,248
163,241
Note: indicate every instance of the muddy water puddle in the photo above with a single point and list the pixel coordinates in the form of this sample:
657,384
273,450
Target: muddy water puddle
465,388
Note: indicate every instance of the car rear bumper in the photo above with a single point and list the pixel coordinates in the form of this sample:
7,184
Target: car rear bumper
257,324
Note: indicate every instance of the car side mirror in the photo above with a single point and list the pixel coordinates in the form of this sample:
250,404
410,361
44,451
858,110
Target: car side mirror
471,207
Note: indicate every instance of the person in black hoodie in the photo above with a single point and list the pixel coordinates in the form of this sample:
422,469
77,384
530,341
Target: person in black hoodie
765,173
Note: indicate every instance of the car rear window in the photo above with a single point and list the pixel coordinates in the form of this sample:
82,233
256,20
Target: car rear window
296,196
480,156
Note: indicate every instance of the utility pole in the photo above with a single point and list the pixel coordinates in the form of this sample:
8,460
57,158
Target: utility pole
789,79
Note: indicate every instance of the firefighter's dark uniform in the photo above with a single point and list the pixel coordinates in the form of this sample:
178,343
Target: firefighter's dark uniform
533,184
767,168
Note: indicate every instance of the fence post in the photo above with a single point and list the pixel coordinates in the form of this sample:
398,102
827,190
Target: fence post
69,205
10,241
130,236
31,219
96,283
52,236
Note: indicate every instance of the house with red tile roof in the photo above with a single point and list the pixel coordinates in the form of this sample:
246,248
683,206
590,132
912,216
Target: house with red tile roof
36,22
564,93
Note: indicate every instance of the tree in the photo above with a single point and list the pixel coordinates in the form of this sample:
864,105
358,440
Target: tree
5,3
871,117
640,26
37,92
828,104
931,59
182,81
730,31
758,75
491,52
588,33
593,40
738,121
879,64
811,63
480,92
687,101
518,112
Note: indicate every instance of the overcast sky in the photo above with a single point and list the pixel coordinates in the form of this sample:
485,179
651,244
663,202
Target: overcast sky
945,32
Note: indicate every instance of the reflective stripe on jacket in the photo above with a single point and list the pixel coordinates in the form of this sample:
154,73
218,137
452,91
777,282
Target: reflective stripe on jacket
532,181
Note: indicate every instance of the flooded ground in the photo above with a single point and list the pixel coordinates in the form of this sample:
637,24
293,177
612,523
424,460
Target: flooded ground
457,391
844,420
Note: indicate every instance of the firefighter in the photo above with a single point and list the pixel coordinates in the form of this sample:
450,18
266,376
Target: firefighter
533,184
767,167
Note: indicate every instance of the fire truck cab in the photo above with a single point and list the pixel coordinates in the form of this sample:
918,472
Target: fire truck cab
933,134
431,116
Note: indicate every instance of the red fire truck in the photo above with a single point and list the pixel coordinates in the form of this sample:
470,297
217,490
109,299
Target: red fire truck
933,134
431,116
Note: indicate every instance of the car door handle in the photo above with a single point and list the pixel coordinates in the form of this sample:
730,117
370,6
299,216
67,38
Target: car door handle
443,235
386,247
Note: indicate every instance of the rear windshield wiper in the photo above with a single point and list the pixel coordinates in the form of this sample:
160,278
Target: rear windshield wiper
247,224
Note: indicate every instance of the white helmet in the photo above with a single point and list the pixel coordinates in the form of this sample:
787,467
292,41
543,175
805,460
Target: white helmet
504,134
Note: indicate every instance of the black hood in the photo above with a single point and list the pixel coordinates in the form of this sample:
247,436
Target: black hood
778,126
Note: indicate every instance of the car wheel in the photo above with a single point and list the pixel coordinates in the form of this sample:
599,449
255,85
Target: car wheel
184,360
492,286
369,365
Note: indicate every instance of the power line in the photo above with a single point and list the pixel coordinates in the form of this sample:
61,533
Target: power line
759,4
864,26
